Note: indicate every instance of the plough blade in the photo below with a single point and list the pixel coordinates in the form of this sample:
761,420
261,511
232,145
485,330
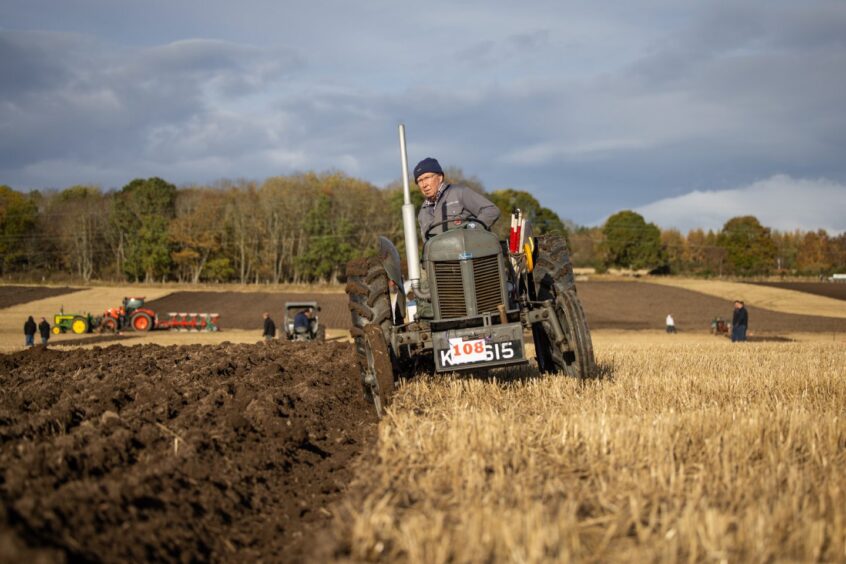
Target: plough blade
192,321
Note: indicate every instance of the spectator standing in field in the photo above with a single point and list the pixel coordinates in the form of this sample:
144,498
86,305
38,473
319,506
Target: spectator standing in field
44,329
29,331
671,324
269,328
739,322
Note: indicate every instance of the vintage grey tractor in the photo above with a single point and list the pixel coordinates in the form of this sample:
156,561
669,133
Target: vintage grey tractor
469,308
315,331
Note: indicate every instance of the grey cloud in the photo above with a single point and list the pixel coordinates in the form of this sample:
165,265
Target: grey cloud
98,104
505,51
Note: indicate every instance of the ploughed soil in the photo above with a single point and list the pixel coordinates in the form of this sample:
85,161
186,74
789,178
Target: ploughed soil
14,295
836,290
640,305
184,453
243,310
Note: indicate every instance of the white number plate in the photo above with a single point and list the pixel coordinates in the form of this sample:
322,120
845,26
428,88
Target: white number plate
478,350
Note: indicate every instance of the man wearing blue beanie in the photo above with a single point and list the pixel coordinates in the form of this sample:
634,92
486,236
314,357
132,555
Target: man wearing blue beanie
448,201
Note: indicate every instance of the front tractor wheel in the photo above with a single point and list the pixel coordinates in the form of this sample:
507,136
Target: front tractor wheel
109,325
578,361
141,322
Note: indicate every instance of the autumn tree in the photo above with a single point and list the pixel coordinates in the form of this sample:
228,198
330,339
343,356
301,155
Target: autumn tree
749,248
787,245
586,247
196,231
543,220
243,229
630,242
141,213
815,253
18,218
674,246
78,220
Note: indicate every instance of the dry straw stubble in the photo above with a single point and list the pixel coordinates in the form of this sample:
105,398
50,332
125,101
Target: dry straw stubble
686,452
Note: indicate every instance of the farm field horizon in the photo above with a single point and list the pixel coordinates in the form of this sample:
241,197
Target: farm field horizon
610,304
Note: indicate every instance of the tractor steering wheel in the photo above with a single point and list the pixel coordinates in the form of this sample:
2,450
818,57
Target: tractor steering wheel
460,221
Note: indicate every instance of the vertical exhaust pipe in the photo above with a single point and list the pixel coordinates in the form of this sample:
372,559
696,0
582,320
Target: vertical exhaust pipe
409,223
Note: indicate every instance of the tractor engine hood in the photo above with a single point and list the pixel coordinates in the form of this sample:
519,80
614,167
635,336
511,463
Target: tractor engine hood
461,244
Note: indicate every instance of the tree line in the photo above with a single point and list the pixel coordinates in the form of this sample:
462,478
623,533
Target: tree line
303,228
743,247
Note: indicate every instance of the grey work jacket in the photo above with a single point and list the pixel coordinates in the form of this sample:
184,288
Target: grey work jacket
452,202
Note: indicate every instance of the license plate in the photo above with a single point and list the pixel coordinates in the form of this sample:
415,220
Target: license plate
462,352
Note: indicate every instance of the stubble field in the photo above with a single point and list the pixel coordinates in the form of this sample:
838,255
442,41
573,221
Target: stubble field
693,452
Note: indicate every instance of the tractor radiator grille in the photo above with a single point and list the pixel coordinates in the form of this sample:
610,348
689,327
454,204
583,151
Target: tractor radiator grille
486,272
450,289
488,291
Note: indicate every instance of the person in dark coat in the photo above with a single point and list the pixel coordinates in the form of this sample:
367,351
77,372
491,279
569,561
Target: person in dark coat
444,201
302,321
739,322
44,329
269,328
29,331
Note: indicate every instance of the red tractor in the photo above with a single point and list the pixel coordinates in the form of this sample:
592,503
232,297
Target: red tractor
130,315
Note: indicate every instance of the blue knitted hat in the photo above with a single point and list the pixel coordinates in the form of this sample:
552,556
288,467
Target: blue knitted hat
427,165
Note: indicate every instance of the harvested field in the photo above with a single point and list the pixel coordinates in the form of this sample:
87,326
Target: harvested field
188,453
14,295
690,452
827,289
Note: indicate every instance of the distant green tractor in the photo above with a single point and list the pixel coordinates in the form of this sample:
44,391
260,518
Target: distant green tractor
74,322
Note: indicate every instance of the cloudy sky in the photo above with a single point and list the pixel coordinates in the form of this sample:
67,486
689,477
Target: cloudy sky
688,112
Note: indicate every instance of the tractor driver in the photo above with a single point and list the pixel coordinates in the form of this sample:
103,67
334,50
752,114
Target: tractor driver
302,321
448,201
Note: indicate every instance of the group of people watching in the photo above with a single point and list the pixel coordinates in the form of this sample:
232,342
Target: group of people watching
30,329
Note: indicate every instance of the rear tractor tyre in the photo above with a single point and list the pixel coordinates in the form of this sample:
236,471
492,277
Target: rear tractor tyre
554,281
79,325
141,322
553,271
369,304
